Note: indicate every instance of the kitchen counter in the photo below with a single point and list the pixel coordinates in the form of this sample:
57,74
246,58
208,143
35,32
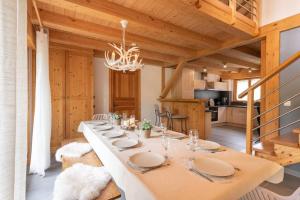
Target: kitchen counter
194,109
234,106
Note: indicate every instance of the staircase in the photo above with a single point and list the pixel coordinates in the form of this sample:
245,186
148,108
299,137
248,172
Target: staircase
281,148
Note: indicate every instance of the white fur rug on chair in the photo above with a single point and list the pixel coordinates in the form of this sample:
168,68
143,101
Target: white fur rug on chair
74,149
80,182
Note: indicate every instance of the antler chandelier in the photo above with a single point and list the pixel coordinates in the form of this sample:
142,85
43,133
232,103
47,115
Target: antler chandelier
121,59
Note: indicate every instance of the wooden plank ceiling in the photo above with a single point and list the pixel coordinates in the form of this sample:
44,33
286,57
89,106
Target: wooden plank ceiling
166,31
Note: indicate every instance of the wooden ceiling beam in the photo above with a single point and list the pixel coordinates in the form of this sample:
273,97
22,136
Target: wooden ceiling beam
171,82
241,75
248,50
114,13
241,55
227,59
100,54
79,41
91,30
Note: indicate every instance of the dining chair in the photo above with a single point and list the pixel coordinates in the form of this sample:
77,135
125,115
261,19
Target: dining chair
158,115
183,119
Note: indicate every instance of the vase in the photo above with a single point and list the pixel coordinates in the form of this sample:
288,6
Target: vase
147,133
117,122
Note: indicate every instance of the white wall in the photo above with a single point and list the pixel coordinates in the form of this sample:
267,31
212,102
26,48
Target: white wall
274,10
101,86
150,91
150,88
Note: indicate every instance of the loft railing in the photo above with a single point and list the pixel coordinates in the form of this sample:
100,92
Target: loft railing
250,104
245,10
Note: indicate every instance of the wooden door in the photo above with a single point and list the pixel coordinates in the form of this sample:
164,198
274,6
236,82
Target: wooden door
125,92
79,91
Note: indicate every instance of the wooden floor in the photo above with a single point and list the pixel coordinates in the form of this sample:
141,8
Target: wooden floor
229,136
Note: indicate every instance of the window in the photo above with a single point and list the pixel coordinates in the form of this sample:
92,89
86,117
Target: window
242,85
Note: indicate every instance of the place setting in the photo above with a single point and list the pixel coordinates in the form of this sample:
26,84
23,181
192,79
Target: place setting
103,127
144,162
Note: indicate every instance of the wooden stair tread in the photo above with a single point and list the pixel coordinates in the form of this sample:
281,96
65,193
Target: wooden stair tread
288,139
265,147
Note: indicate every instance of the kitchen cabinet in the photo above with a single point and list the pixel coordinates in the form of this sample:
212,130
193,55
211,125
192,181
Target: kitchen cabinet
222,114
236,115
221,86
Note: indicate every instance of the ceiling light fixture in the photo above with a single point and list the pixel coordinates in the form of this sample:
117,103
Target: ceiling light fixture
121,59
250,70
204,70
224,66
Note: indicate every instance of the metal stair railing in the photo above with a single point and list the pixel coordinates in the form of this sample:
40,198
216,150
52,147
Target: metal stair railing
250,104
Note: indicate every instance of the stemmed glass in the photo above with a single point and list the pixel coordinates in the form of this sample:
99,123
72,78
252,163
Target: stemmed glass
165,141
140,131
194,138
163,128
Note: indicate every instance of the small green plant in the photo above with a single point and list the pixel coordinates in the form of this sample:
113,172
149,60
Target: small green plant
116,116
146,125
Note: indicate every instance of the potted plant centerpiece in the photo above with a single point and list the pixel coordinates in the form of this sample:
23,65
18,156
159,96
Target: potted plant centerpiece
146,127
116,119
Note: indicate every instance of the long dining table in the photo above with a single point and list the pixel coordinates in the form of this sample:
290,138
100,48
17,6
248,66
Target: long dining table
175,181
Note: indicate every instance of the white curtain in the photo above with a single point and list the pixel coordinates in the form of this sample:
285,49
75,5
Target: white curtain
13,99
40,151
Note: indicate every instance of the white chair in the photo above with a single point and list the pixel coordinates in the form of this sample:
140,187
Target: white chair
100,117
261,193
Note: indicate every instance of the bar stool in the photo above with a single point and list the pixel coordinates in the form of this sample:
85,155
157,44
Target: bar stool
182,118
158,115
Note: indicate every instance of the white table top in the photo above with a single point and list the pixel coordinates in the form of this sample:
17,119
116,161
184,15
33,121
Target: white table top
176,181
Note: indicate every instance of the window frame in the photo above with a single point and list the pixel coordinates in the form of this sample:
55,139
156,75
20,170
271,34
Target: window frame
235,88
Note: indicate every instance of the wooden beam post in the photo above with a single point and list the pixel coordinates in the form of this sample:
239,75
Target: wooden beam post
249,124
173,79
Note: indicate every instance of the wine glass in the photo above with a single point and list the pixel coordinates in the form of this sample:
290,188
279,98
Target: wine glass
194,138
163,128
140,131
165,141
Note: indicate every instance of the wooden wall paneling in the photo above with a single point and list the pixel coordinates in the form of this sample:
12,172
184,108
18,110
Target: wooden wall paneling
79,91
57,73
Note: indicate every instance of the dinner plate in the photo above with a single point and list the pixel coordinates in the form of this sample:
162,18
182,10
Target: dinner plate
113,134
103,128
213,167
94,121
176,135
147,159
208,145
125,143
99,123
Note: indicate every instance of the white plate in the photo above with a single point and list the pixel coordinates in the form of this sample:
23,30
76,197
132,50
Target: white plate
125,143
213,167
94,122
176,135
113,134
103,128
147,159
208,145
99,123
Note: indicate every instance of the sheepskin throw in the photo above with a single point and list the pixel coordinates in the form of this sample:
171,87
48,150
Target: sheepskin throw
80,182
74,149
